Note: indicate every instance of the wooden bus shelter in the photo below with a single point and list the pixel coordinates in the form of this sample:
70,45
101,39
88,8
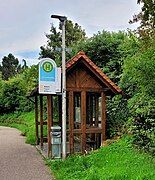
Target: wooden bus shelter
87,88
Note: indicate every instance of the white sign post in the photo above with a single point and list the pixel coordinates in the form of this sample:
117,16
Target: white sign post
49,77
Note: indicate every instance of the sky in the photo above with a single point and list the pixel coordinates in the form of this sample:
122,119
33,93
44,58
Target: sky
24,22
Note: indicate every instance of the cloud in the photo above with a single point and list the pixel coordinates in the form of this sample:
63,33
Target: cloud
25,22
104,14
31,57
23,25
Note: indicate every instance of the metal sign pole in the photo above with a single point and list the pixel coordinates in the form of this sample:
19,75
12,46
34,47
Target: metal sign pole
63,93
63,20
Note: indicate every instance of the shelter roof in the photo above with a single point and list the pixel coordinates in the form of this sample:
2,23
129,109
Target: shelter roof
98,72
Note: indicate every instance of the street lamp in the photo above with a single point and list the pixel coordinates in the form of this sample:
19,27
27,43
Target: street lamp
63,20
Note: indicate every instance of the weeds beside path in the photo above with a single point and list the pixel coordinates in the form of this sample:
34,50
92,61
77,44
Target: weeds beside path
22,121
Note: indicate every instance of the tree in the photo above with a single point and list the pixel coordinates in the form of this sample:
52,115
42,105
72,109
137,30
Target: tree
24,64
30,76
74,33
9,67
146,18
104,50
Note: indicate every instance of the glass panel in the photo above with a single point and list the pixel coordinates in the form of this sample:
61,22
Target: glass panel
77,110
77,143
99,113
93,141
67,144
55,111
93,110
67,110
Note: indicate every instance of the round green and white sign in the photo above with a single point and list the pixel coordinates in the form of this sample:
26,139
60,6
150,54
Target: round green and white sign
47,66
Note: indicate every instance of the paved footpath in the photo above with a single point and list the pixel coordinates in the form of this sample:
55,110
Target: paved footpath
20,161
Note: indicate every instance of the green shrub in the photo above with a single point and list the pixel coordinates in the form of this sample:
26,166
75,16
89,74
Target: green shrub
139,82
117,116
13,96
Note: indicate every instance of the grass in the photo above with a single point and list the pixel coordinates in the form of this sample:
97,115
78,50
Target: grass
22,121
119,161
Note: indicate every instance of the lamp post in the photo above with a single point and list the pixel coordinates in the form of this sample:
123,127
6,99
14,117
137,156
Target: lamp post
63,20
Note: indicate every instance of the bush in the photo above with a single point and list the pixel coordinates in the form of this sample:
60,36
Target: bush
139,80
143,122
117,116
13,96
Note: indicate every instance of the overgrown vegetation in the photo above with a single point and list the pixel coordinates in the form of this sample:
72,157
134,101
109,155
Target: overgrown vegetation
14,91
22,121
118,161
138,80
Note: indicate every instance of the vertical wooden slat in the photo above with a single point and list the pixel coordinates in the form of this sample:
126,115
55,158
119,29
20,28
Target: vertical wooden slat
77,78
103,117
36,119
41,121
49,122
83,113
71,121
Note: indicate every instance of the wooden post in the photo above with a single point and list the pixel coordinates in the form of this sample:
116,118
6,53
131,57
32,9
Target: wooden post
71,121
41,121
83,113
36,119
49,122
103,117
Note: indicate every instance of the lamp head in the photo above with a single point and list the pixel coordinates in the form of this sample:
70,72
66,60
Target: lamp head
61,18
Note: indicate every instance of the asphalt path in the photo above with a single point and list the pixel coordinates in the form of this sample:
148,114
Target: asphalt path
18,160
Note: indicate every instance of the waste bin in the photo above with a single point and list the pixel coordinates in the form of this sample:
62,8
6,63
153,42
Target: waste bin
56,141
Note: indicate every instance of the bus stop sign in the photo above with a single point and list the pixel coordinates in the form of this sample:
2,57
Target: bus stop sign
49,77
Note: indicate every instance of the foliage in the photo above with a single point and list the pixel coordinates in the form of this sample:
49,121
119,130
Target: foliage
74,33
30,76
117,116
143,122
10,66
14,91
22,121
146,18
138,80
13,96
1,92
104,50
117,161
